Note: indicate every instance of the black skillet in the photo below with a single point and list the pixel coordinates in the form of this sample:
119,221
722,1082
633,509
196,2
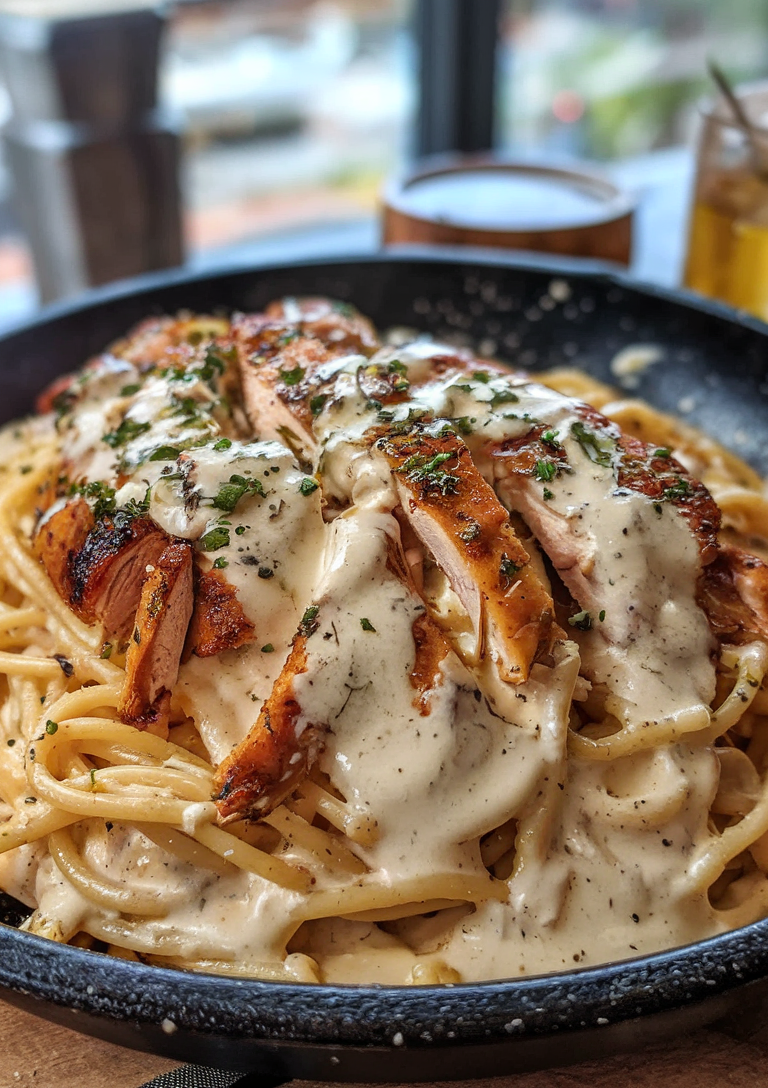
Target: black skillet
713,368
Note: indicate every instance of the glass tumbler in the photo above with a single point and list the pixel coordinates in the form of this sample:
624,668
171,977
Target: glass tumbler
727,254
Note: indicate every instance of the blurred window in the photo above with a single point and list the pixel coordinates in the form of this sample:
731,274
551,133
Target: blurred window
294,110
606,79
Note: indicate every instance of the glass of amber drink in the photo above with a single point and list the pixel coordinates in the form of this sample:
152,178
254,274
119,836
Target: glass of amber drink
728,233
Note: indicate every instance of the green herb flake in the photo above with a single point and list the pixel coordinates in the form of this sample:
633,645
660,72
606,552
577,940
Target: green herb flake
292,377
545,470
129,390
427,471
463,424
482,376
601,615
213,366
239,530
507,570
126,432
549,438
582,620
220,563
268,649
316,403
215,538
308,485
164,453
308,624
51,727
25,469
396,367
222,444
106,651
93,778
231,493
504,396
548,494
366,624
663,451
599,448
679,490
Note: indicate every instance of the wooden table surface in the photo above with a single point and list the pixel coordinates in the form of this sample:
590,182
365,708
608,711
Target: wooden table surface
35,1054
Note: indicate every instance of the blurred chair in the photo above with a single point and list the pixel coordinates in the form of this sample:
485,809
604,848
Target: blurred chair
94,160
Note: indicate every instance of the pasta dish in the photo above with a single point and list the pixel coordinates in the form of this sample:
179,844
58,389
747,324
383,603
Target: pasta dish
332,659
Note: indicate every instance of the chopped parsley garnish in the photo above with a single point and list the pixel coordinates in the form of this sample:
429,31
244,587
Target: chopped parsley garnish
366,624
268,648
308,624
396,367
504,396
220,563
212,366
316,403
427,471
135,508
548,494
598,447
266,572
663,451
549,438
102,494
292,377
582,620
231,493
164,453
129,390
215,538
601,615
463,424
346,309
679,490
308,485
126,432
507,570
545,470
106,651
222,444
51,727
93,778
481,376
239,530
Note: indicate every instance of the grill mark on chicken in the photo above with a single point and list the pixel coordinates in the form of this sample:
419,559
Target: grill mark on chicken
154,650
218,621
460,521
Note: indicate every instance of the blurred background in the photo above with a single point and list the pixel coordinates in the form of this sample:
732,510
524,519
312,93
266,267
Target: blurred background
291,113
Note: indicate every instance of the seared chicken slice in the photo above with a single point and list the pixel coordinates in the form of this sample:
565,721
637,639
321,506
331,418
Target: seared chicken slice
733,591
462,524
285,356
154,651
218,622
328,663
276,755
99,568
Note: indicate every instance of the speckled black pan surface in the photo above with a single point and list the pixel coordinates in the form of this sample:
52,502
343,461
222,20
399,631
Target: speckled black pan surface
713,369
